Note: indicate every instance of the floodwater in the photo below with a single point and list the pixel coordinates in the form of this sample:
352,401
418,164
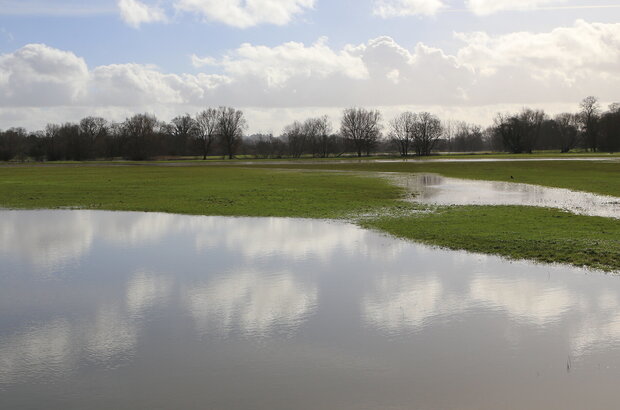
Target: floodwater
108,310
336,160
438,190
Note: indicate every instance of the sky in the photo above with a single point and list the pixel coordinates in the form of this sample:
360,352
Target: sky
286,60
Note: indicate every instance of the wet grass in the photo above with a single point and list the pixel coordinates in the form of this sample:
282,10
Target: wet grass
517,232
194,190
543,235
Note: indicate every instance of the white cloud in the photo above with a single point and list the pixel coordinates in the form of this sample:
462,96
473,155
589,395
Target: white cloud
395,8
547,70
40,75
246,13
135,13
278,65
589,46
565,63
485,7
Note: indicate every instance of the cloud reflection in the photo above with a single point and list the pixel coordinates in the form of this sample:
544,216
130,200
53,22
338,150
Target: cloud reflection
38,350
531,301
406,303
106,336
251,303
51,239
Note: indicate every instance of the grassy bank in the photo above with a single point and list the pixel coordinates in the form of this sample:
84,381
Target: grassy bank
517,232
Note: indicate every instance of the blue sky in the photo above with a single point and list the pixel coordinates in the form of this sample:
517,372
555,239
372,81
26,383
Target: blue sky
146,46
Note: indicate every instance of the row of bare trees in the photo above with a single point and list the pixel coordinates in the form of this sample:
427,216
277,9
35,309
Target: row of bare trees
220,131
139,137
590,128
417,132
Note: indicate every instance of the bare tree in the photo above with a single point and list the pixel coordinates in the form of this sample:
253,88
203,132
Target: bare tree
610,129
567,127
318,132
51,137
519,132
140,133
71,140
531,122
295,136
207,123
94,131
230,127
324,141
467,137
402,132
362,128
183,129
266,146
11,143
589,115
426,132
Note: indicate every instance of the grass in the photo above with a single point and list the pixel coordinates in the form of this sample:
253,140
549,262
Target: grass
285,190
194,190
539,234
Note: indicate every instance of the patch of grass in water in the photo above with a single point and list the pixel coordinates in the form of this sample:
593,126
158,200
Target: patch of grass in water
540,234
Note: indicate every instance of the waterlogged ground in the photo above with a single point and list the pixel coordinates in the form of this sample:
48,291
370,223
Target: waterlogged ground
432,189
144,310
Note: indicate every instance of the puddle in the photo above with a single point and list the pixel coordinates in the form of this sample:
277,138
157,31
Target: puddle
434,189
143,310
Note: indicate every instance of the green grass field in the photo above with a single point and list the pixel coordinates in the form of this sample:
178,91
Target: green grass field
194,190
286,190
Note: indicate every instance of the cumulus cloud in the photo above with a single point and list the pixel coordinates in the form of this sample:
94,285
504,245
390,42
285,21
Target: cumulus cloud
135,13
276,66
542,69
40,75
562,64
485,7
394,8
246,13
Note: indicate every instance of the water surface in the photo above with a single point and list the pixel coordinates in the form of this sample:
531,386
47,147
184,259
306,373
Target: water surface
438,190
141,310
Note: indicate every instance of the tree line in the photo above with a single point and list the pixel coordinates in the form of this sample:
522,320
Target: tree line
221,132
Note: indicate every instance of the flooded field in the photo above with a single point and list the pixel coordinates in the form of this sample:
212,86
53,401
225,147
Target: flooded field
142,310
439,190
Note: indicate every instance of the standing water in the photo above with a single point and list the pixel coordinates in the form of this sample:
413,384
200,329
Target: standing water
435,189
136,310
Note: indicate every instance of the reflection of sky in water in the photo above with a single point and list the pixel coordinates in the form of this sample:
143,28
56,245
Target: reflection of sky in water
285,308
438,190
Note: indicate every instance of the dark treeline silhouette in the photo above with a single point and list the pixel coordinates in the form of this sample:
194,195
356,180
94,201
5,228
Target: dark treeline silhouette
220,132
